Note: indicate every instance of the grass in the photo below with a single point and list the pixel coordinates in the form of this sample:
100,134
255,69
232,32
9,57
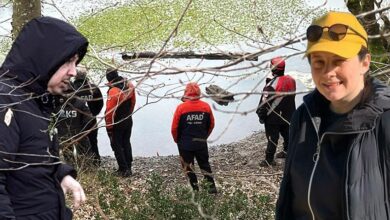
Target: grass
145,25
116,199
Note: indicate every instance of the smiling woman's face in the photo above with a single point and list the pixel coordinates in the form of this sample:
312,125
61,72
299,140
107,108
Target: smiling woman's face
60,81
340,80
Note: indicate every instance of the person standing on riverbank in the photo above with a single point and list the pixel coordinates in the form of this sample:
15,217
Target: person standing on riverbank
275,110
192,124
91,94
119,122
40,64
338,160
72,118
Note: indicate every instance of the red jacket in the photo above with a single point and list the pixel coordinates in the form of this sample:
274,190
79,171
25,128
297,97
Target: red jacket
120,104
275,108
193,120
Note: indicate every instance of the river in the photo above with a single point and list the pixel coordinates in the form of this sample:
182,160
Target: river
151,131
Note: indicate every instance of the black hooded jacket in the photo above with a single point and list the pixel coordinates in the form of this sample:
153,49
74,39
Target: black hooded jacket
30,171
340,171
90,93
73,119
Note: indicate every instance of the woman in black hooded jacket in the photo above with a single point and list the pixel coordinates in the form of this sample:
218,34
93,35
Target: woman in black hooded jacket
39,65
337,164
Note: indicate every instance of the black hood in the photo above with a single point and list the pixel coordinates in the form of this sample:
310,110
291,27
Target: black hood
42,46
119,82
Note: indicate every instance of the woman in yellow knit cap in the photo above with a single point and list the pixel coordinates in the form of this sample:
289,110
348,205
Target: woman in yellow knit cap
338,163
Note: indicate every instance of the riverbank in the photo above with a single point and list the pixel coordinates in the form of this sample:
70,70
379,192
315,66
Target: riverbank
235,166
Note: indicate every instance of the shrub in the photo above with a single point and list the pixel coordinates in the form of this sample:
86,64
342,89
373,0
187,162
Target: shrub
157,201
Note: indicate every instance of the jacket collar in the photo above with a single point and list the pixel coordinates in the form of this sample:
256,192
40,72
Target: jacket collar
375,100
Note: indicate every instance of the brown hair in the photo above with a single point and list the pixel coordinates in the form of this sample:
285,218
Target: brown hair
361,54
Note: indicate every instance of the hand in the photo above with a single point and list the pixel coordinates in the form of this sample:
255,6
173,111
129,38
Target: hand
70,184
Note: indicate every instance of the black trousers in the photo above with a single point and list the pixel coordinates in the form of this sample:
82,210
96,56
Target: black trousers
122,148
187,162
272,132
92,136
83,148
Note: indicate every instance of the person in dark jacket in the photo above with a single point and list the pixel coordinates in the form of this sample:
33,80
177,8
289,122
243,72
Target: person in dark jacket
90,93
119,109
72,119
276,106
337,164
40,63
111,74
192,124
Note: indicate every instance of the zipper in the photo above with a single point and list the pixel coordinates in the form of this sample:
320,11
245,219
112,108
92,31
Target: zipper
316,157
346,184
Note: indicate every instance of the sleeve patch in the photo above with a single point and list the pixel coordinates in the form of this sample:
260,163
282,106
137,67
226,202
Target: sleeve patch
8,117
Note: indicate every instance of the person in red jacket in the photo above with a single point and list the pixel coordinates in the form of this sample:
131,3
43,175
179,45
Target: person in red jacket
118,116
192,124
275,110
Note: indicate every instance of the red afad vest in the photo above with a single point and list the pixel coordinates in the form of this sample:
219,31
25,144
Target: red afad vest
285,84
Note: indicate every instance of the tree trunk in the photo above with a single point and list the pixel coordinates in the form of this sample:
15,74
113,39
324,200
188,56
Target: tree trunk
24,11
369,22
354,7
189,55
378,46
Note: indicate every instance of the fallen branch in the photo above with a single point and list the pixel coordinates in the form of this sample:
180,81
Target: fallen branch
188,55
